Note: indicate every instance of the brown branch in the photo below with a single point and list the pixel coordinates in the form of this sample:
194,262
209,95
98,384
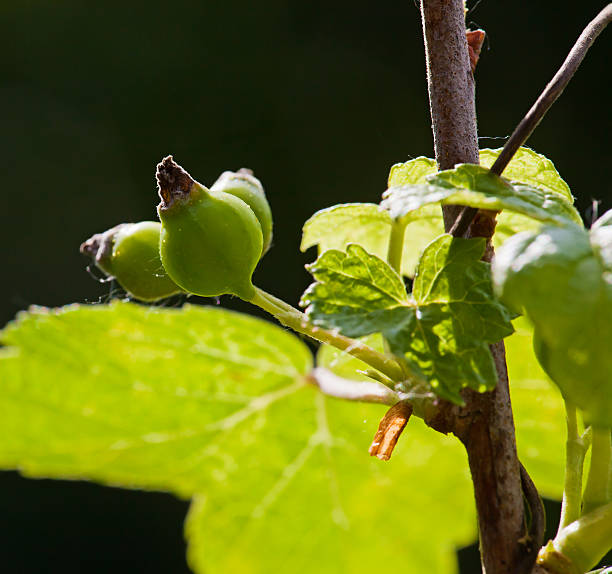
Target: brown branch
485,424
450,86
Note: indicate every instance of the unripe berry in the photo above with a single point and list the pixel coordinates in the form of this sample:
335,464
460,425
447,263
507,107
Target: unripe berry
246,186
129,252
211,242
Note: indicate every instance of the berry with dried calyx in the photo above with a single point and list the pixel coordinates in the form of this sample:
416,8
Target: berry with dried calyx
211,241
129,252
246,186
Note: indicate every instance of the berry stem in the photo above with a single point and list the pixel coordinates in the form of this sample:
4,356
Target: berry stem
576,449
298,321
597,489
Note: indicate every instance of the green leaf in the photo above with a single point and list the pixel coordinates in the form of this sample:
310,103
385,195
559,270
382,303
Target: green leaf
141,397
335,509
335,227
442,330
537,405
561,279
477,187
213,403
354,292
411,172
530,168
367,225
539,413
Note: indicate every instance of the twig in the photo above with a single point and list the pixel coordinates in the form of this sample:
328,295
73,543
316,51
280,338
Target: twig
534,116
553,90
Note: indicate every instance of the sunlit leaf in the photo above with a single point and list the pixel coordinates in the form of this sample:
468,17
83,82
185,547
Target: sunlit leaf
562,279
476,186
442,330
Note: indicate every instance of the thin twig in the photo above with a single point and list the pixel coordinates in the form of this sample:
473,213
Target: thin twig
553,90
463,221
534,116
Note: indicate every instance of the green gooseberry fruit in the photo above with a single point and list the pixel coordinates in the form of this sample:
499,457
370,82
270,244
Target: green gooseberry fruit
246,186
211,242
129,252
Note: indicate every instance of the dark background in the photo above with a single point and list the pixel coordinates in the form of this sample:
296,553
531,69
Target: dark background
318,98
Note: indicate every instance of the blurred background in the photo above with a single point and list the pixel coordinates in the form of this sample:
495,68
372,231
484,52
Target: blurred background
318,98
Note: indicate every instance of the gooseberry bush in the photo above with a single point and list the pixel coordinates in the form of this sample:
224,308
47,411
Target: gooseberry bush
414,313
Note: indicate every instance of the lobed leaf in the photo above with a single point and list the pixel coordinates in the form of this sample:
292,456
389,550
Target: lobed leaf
353,292
211,403
367,225
477,187
334,227
530,168
561,278
140,397
443,330
335,509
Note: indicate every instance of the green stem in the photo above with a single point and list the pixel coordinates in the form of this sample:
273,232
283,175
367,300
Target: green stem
396,246
596,491
574,463
298,321
585,541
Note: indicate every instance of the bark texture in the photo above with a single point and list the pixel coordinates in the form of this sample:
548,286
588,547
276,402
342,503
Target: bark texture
485,425
451,87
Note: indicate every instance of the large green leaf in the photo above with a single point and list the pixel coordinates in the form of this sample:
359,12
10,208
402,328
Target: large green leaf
477,187
141,397
561,278
211,403
539,414
335,509
443,330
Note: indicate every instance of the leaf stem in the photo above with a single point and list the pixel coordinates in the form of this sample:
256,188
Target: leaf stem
597,489
581,544
333,385
298,321
396,246
576,448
